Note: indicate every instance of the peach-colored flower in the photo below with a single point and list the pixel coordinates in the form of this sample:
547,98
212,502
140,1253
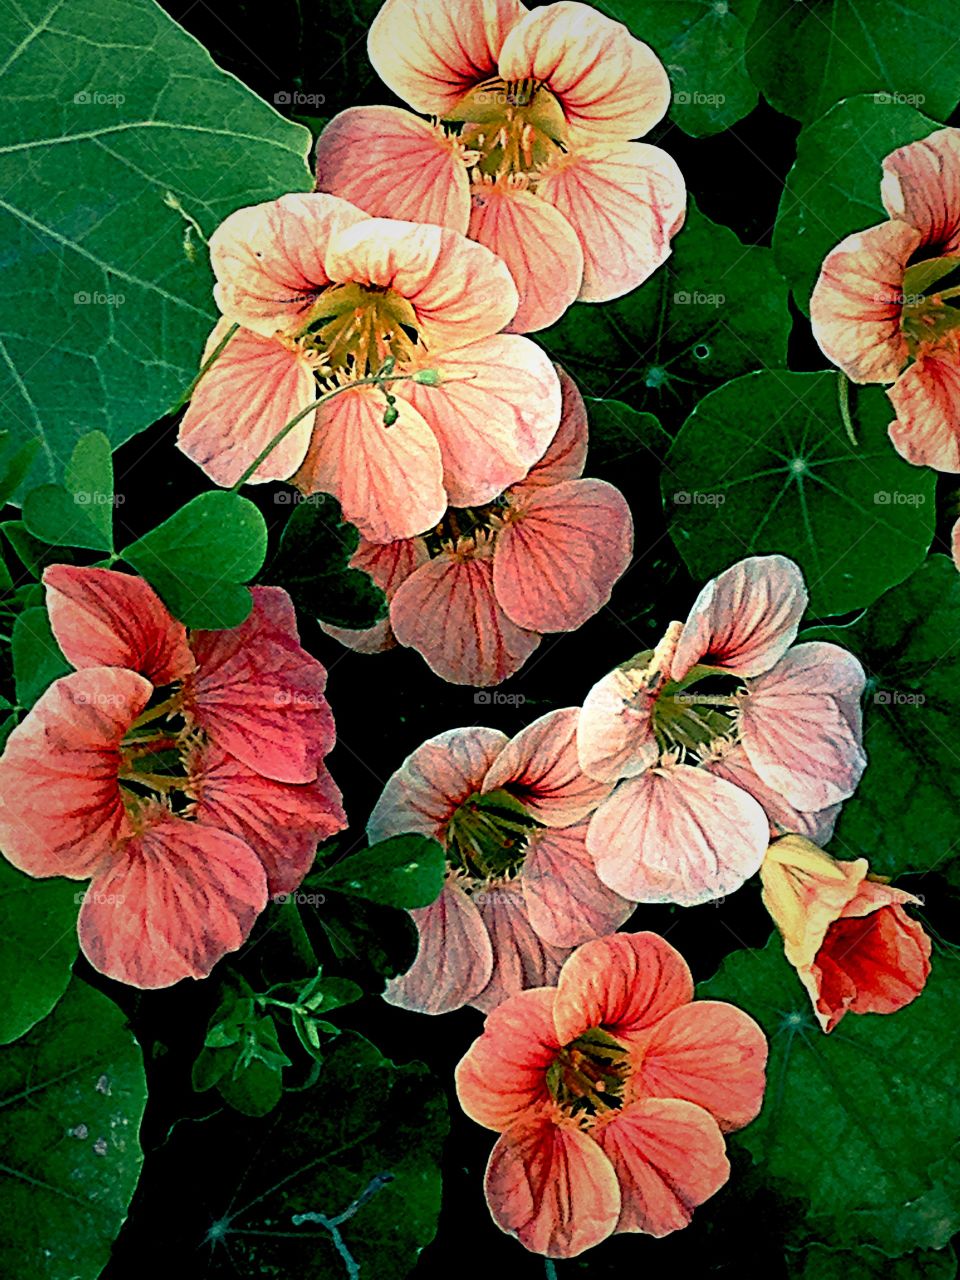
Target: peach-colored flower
611,1093
845,932
326,296
878,310
182,774
725,732
520,889
475,595
533,157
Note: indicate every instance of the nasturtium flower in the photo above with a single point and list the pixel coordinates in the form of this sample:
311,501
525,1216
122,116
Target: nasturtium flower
529,149
611,1092
475,594
883,307
181,773
520,890
325,297
845,932
724,732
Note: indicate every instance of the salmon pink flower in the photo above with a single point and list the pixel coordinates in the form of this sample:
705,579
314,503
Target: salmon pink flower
520,888
881,311
611,1092
181,773
529,150
723,733
326,298
475,594
845,932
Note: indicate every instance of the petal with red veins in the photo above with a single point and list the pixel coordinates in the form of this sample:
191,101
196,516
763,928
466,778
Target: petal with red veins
921,186
735,766
521,958
615,737
566,901
388,564
454,960
566,455
503,1075
926,400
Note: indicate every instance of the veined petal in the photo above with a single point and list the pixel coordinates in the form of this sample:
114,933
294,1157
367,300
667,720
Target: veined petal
388,480
448,612
626,201
566,454
615,737
921,186
539,246
101,618
173,902
926,400
609,84
521,958
388,564
454,959
431,52
677,834
502,1078
566,901
557,559
785,819
856,305
494,413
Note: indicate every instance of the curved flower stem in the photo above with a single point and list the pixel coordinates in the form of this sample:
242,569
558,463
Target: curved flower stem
843,391
550,1268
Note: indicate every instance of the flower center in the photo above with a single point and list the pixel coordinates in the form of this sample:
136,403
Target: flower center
588,1076
355,328
155,757
488,834
692,718
466,529
510,128
928,315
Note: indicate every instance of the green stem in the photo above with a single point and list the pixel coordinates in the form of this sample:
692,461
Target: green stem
211,359
843,391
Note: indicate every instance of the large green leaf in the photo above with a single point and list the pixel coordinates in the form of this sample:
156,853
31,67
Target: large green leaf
121,137
805,57
905,815
861,1125
618,432
764,464
38,945
37,659
404,871
833,188
72,1094
701,42
866,1263
715,309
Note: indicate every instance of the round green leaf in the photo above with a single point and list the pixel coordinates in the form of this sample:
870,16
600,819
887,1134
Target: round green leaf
38,945
764,465
72,1094
833,188
129,148
805,57
860,1125
618,432
904,815
715,309
198,559
79,512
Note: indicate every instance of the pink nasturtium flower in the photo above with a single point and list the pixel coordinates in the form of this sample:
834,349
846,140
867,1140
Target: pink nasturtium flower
845,932
529,150
611,1093
521,889
879,311
725,732
181,774
476,593
325,296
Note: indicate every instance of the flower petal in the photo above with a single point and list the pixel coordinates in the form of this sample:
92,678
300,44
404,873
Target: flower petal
454,960
502,1077
566,901
552,1188
926,400
430,52
448,612
409,169
540,766
252,390
800,725
433,781
101,618
735,766
856,304
921,186
566,455
677,834
706,1052
281,823
615,737
669,1157
259,695
175,900
560,554
388,564
537,243
269,259
494,413
609,84
388,480
61,811
624,984
744,620
626,201
521,958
